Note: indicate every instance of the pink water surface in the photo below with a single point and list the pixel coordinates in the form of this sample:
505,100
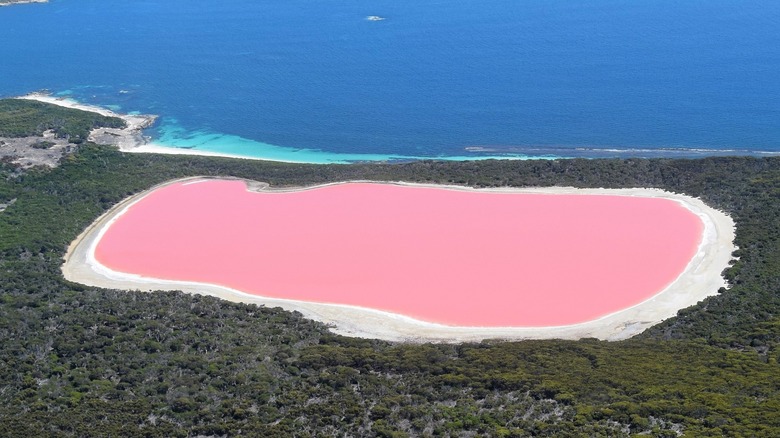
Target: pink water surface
447,256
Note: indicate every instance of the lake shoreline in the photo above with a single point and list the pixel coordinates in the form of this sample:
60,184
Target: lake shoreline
701,279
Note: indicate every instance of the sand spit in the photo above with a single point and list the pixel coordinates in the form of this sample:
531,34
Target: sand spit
128,138
701,278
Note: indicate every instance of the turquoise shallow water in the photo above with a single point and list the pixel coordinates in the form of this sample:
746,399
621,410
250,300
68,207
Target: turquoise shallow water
306,80
171,134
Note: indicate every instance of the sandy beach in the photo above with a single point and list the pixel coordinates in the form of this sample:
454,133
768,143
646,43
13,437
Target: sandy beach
701,278
152,148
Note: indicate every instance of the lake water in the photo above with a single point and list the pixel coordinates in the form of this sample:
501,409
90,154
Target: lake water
317,81
453,257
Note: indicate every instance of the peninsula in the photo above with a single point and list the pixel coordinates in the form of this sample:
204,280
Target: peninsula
38,130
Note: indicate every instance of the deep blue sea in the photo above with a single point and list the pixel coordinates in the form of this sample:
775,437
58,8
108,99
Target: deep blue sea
314,80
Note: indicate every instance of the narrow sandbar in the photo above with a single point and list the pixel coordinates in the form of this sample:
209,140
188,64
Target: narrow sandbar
699,279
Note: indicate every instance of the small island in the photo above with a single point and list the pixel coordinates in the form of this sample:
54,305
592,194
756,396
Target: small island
18,2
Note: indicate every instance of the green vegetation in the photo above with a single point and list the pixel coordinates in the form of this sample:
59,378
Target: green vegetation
77,361
26,118
43,144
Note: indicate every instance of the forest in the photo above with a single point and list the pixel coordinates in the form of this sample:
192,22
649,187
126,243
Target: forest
78,361
24,118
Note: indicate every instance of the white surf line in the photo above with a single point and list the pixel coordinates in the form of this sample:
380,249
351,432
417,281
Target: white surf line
700,279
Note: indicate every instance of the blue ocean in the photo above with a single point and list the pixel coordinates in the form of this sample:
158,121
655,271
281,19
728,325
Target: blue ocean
356,80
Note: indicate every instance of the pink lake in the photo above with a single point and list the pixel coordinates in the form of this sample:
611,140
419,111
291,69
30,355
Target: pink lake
454,257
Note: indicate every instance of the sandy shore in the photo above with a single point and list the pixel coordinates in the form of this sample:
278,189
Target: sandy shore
701,278
152,148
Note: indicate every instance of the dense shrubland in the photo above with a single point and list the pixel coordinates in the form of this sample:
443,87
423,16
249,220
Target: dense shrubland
82,361
25,118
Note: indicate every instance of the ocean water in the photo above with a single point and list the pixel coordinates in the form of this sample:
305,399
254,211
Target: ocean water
306,80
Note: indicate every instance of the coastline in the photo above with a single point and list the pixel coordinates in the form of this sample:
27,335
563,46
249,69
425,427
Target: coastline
21,2
125,139
132,140
701,278
154,148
